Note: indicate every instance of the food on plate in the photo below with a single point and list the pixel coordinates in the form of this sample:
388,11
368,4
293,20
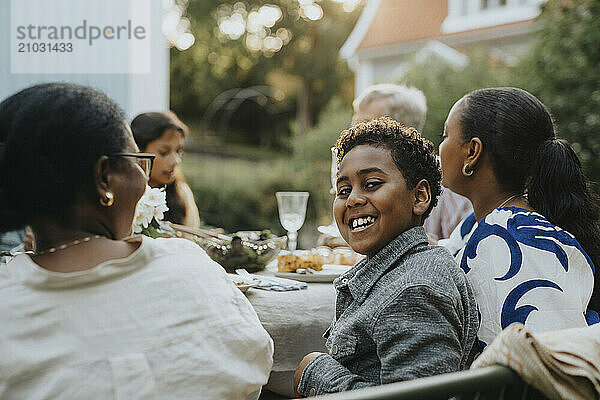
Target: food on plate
315,259
292,262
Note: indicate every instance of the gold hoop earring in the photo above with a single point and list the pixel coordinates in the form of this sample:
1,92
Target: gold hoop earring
109,200
465,172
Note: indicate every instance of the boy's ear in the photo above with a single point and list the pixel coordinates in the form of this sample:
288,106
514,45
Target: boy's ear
422,197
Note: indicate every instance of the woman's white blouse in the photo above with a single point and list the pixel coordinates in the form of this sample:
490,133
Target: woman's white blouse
523,269
165,322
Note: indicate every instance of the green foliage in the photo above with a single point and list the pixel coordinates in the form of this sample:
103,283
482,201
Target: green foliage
229,191
156,229
315,145
239,194
443,85
563,71
312,156
304,75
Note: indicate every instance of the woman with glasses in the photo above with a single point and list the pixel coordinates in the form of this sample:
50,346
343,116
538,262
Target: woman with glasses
162,134
94,313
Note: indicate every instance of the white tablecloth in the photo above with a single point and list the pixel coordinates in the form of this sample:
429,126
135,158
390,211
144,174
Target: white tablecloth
296,320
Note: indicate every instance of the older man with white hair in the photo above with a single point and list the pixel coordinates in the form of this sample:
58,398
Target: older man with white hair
408,105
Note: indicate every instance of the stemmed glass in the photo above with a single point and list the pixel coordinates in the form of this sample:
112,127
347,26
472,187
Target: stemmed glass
292,211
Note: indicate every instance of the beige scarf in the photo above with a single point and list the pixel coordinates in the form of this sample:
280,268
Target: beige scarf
562,364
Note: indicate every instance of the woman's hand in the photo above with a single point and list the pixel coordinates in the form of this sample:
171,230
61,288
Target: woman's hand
300,369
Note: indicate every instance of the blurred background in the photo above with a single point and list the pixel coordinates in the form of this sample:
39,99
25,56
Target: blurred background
266,86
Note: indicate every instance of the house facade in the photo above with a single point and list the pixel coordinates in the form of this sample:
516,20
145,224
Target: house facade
389,33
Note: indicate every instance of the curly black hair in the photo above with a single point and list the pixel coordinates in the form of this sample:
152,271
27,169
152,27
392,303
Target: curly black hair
53,134
413,155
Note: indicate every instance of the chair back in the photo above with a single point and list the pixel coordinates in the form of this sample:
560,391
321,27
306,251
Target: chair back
495,382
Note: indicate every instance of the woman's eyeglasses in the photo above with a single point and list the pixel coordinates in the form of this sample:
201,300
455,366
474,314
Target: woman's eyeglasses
144,160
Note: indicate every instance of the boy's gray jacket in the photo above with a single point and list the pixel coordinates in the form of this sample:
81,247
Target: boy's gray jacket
406,313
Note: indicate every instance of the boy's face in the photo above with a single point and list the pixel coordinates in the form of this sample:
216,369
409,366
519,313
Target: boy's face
373,204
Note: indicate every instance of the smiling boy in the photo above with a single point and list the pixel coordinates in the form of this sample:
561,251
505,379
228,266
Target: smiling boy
406,311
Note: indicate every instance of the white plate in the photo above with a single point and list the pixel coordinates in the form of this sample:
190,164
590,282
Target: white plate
327,274
242,283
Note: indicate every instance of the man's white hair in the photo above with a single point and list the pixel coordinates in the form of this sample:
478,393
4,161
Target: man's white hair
406,105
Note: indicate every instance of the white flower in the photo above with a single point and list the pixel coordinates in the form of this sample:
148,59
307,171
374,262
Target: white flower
152,204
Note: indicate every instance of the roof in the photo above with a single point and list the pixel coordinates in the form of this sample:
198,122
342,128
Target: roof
385,23
398,21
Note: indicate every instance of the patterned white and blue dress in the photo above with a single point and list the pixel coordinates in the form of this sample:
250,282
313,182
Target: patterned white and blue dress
522,268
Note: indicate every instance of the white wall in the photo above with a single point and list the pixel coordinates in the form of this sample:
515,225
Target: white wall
134,92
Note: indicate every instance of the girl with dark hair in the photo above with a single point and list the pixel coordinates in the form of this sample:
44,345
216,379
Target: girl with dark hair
94,313
531,246
163,134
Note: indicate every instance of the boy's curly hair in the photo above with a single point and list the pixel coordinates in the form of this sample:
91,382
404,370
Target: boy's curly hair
412,154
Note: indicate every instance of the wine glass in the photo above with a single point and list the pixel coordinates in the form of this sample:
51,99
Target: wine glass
292,211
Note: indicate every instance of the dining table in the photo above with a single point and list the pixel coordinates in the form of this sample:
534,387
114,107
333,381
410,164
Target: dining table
296,321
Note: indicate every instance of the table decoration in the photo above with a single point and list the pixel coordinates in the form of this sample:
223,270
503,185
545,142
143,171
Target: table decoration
149,213
250,250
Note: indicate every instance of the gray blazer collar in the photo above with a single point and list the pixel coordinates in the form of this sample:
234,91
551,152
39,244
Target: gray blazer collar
363,276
